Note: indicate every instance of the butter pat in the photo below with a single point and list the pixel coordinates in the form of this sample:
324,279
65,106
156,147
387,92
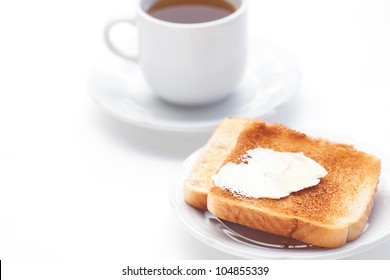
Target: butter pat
269,174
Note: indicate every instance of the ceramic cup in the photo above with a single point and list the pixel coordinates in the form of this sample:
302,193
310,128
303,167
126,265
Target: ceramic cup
188,63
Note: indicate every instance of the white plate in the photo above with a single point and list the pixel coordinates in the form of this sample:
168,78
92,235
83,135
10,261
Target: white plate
253,244
271,79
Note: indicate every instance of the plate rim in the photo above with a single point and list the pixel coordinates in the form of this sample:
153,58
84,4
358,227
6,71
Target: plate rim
269,253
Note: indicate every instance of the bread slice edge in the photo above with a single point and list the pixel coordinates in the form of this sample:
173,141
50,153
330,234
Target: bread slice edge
229,208
212,155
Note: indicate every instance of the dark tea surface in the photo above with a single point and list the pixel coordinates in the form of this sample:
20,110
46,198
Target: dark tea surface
190,11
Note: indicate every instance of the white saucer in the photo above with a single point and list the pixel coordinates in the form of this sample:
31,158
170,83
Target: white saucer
253,244
271,79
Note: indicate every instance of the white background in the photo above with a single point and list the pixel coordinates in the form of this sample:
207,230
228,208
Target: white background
76,183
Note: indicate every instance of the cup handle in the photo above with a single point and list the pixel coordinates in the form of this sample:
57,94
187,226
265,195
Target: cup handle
129,20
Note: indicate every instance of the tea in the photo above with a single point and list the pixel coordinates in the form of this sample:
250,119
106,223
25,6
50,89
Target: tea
190,11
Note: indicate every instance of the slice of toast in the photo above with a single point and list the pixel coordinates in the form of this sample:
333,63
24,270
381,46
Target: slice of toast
211,156
327,215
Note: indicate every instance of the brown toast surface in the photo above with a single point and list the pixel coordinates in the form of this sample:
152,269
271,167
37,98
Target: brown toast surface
327,215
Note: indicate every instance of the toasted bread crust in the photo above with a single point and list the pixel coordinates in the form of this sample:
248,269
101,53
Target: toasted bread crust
326,215
212,155
225,206
356,228
196,197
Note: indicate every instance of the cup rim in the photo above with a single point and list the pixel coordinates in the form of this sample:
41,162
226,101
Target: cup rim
232,16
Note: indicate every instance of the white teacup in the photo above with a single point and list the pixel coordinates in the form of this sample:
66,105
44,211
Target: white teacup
189,63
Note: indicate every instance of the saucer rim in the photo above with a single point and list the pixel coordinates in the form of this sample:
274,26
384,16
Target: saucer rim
161,124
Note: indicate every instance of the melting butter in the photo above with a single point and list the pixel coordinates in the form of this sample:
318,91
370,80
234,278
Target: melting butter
269,174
